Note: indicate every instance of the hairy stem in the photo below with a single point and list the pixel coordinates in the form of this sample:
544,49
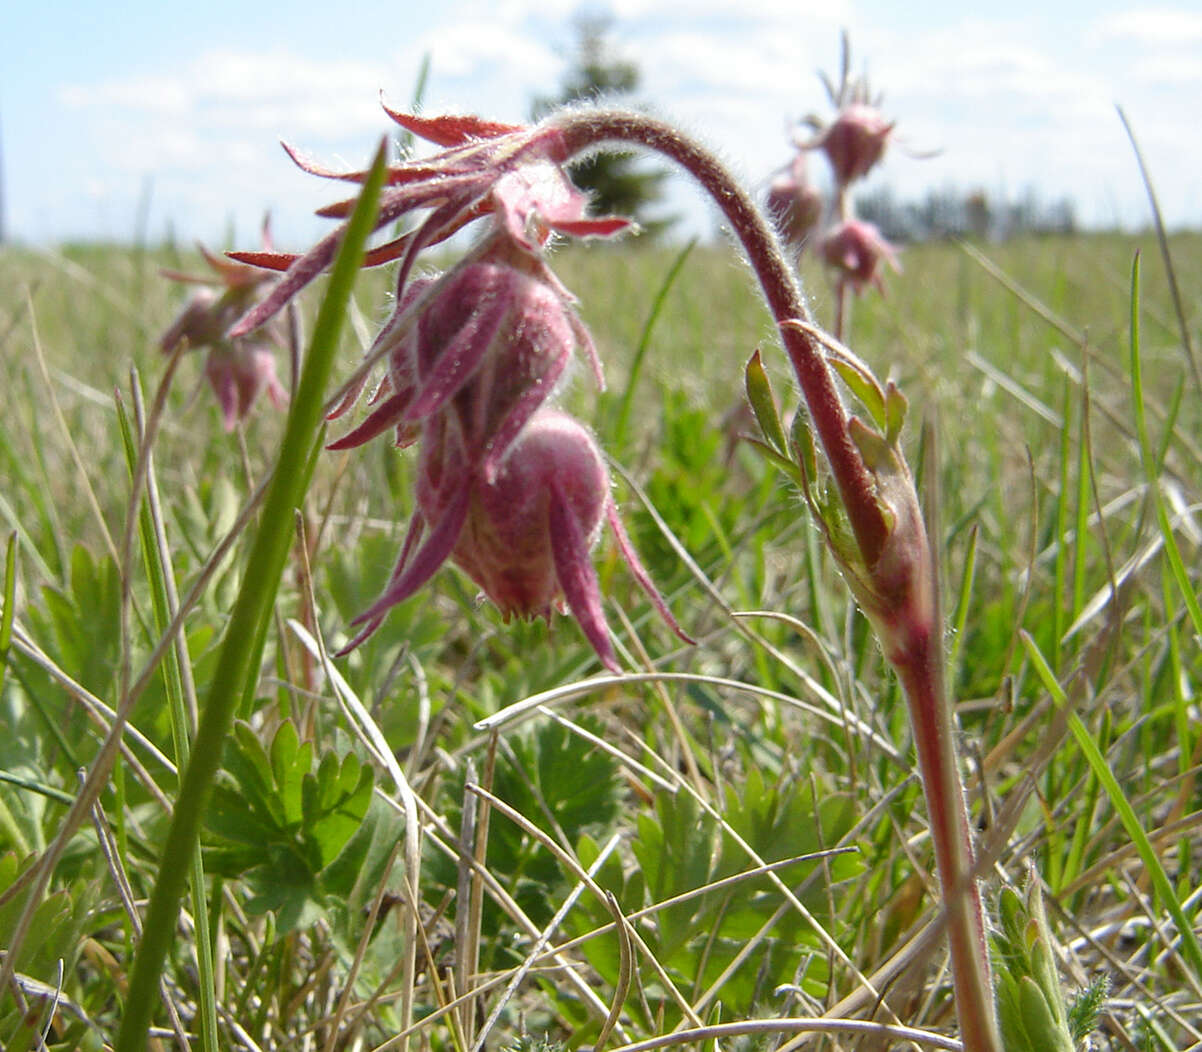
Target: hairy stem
895,559
920,668
586,130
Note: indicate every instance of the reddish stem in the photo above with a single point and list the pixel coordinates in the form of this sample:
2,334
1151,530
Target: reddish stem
920,668
589,129
909,622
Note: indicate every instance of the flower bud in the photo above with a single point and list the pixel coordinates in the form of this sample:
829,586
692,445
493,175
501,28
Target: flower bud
855,141
238,373
237,368
794,204
855,249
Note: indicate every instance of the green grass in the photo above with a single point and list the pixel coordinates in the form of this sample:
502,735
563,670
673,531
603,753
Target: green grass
1077,665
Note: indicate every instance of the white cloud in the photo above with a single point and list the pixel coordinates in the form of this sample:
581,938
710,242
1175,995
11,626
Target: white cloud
1169,71
231,89
1011,100
1152,26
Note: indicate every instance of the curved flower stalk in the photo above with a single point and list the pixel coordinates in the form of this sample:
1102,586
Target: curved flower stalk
875,529
497,463
239,368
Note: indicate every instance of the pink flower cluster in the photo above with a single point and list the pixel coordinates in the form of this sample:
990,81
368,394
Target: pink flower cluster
239,368
853,144
509,488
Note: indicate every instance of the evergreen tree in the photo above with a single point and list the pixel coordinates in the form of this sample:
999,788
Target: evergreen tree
618,183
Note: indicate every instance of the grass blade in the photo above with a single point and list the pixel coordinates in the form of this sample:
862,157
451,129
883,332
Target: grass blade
1122,807
636,366
1151,464
10,601
238,661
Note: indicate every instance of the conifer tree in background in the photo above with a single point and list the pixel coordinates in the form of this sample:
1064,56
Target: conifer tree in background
618,183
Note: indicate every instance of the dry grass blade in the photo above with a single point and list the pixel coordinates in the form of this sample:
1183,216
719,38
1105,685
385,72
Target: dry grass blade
573,865
536,951
801,1025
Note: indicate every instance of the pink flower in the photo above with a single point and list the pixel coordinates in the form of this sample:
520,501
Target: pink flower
510,490
854,142
488,341
854,249
525,536
238,373
485,168
794,204
239,369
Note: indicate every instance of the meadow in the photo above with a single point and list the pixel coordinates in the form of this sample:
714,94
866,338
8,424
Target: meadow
732,832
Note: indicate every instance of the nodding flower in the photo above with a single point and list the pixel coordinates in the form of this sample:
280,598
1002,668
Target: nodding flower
510,489
794,204
237,368
854,249
524,536
489,341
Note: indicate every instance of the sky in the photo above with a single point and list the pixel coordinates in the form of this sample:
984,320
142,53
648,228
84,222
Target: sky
138,118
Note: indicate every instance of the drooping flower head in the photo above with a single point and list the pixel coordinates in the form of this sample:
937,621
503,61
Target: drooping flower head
525,536
854,250
794,204
237,368
508,488
489,340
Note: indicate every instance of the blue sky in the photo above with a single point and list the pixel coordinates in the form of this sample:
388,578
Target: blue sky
109,109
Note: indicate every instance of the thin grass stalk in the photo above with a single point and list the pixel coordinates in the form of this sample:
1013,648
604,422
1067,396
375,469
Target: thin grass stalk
238,661
1151,463
8,612
640,354
1187,345
1192,950
176,665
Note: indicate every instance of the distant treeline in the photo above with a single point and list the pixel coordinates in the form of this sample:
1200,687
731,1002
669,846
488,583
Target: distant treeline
951,212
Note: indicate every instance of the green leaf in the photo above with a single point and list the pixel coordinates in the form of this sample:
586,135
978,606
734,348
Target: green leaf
1085,1008
337,799
290,762
878,454
801,445
763,404
864,386
1045,1033
895,412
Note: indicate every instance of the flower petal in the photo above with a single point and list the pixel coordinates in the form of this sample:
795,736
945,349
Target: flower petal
577,578
451,129
428,559
640,574
377,422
